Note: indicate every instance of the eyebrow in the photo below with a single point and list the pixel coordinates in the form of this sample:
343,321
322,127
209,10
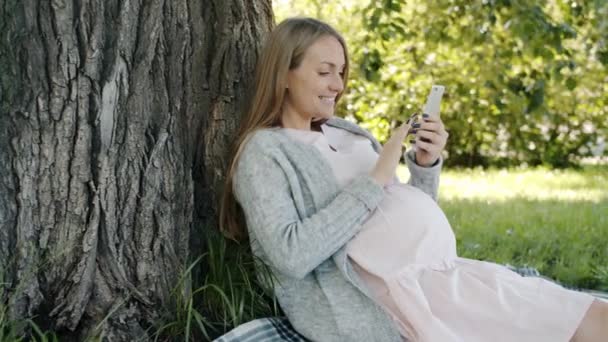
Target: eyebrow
331,64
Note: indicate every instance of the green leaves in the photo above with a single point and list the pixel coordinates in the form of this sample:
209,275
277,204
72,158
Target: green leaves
370,65
506,64
515,71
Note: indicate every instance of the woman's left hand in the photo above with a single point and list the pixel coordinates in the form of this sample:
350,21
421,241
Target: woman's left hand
431,138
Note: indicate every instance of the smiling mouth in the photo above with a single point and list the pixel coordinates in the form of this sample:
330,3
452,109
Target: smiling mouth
329,100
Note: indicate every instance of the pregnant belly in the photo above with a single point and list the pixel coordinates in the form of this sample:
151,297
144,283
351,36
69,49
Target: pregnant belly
408,228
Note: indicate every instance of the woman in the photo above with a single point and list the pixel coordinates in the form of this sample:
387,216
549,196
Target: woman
356,255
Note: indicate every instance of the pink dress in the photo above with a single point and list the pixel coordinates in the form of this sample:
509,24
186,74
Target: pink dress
406,255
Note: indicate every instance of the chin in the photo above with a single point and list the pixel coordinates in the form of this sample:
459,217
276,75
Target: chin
323,116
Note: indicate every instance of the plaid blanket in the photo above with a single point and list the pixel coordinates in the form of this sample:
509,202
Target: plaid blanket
271,329
278,329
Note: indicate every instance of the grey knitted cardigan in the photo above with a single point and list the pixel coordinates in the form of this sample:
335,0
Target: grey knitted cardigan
299,221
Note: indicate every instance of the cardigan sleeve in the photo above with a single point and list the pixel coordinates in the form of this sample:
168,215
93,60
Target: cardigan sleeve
295,246
424,178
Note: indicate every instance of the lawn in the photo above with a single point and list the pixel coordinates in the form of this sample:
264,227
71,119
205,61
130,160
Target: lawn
555,221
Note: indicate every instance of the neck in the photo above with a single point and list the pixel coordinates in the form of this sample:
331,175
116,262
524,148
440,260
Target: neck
291,119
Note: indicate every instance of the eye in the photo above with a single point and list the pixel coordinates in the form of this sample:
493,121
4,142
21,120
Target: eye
323,73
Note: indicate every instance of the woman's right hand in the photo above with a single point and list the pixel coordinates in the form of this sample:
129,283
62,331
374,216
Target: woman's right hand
387,163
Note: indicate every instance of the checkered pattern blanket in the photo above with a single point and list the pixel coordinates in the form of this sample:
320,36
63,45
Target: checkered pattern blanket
278,329
271,329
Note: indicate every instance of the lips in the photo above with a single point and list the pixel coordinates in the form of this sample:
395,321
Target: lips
329,100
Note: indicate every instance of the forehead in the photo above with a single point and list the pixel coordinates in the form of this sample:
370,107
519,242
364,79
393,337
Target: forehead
326,49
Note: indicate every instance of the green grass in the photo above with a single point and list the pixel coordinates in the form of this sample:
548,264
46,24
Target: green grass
16,330
227,294
555,221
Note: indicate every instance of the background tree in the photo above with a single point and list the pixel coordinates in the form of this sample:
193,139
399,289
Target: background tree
526,80
115,120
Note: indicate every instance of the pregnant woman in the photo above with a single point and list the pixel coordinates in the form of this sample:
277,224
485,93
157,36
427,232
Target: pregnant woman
356,255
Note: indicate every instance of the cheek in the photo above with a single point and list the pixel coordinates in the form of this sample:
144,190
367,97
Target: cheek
309,92
305,91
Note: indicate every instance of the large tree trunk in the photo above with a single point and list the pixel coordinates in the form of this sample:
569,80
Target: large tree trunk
115,121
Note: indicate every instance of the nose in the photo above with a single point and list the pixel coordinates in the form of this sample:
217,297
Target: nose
337,84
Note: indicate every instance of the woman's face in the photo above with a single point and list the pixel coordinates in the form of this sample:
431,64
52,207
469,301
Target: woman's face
314,85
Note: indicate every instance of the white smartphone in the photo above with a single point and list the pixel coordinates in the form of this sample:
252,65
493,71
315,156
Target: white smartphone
433,101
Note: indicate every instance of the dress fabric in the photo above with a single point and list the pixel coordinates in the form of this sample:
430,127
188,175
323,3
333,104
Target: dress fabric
406,255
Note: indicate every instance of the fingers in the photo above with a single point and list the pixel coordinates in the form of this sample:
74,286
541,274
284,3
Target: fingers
437,127
401,132
431,138
430,118
438,139
429,126
404,126
429,147
431,135
428,136
434,125
389,157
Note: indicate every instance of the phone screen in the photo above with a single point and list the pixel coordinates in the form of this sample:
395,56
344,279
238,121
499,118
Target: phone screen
433,101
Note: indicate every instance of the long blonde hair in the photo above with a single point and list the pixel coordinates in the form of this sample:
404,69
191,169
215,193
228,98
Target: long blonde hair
283,50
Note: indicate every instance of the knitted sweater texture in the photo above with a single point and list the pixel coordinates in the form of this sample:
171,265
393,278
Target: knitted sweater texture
299,221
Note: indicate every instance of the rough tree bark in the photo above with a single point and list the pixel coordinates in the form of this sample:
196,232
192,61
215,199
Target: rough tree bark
115,122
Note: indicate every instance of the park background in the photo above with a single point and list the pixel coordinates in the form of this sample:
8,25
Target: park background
526,174
525,181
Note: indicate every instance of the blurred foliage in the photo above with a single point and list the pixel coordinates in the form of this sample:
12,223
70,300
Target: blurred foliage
526,81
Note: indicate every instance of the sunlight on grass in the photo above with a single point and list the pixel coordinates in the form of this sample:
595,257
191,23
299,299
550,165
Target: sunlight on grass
589,185
555,221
